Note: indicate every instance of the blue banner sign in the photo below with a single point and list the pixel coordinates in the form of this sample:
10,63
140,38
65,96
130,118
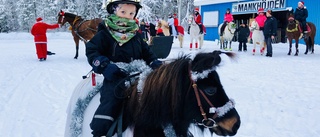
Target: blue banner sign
253,6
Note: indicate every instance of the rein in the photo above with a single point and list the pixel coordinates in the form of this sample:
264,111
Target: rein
230,30
218,112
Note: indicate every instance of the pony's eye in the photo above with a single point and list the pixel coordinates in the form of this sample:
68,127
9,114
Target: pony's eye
210,90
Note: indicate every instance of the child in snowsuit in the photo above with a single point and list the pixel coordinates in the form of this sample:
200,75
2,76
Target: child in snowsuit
117,40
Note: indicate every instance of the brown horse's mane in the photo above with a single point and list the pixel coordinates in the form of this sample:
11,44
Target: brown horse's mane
162,92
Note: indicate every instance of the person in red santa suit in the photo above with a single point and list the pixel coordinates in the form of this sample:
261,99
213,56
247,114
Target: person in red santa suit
176,22
39,30
197,19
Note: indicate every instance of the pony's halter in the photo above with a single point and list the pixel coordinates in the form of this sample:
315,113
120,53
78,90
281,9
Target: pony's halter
62,15
233,26
256,26
291,19
217,111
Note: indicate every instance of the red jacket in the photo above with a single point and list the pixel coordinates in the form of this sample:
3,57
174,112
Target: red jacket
39,30
260,20
228,17
197,19
176,22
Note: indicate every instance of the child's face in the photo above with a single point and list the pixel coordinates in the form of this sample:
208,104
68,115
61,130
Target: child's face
126,11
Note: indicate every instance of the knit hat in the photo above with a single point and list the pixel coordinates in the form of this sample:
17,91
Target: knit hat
260,10
301,2
39,19
269,11
196,9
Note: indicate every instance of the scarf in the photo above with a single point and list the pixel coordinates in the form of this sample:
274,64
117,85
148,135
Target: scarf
121,29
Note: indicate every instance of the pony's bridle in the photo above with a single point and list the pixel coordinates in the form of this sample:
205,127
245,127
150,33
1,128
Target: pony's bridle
62,17
297,25
230,29
218,112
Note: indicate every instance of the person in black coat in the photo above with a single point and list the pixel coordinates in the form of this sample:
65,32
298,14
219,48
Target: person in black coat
301,14
243,34
117,40
270,31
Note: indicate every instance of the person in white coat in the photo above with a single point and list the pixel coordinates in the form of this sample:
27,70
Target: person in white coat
173,31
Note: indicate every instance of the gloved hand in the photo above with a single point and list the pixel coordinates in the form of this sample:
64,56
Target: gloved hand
99,64
155,64
113,72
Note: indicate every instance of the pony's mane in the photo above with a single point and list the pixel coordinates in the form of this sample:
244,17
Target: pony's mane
67,14
163,91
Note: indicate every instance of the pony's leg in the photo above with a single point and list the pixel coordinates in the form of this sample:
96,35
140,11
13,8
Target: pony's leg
230,48
191,43
307,45
201,41
254,47
181,40
312,45
76,40
262,47
290,46
221,42
196,44
297,45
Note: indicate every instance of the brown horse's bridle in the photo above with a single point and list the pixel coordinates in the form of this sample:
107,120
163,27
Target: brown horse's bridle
209,122
297,24
61,14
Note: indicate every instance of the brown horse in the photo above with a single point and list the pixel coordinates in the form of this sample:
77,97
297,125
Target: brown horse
293,31
81,29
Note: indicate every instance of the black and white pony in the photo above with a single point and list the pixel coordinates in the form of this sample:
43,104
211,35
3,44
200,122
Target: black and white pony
182,98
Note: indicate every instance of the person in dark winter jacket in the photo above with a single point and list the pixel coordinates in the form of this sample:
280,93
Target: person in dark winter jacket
270,31
243,34
117,40
301,15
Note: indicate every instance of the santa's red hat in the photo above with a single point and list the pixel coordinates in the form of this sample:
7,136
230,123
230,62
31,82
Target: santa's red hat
260,10
196,9
39,19
174,15
301,2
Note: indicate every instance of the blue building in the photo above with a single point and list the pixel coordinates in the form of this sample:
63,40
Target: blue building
213,11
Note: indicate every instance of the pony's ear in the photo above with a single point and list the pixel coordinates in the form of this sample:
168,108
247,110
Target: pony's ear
217,53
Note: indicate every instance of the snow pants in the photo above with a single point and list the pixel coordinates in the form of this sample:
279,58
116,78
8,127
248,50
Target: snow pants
109,108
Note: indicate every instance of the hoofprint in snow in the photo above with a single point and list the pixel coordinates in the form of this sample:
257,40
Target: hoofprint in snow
274,96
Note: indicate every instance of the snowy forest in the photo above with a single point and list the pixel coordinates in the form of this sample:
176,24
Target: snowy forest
20,15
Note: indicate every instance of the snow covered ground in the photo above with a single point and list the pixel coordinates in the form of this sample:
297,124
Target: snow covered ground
275,97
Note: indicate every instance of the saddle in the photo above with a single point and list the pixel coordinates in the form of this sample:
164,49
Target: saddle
301,30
